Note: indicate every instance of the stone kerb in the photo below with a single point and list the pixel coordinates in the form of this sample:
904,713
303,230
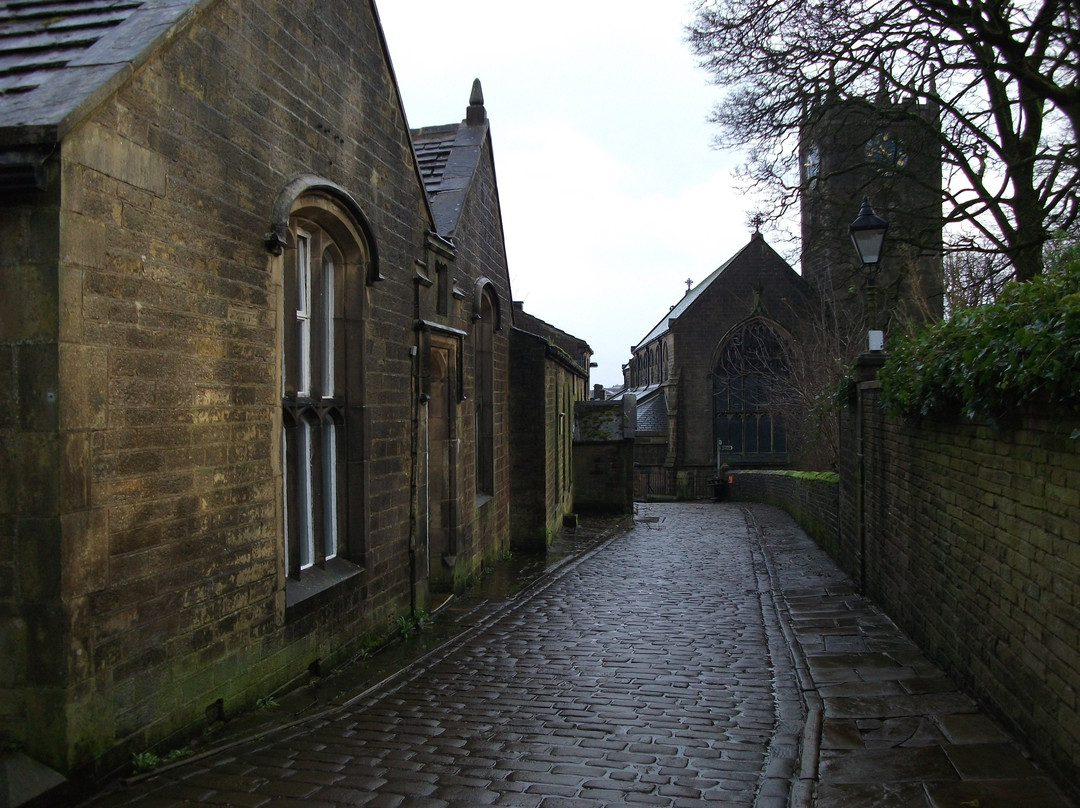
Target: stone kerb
812,499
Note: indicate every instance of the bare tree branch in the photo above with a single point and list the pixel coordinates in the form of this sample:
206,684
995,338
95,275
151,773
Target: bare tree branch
1002,74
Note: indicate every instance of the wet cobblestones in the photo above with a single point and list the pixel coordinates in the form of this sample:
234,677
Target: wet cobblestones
709,655
639,675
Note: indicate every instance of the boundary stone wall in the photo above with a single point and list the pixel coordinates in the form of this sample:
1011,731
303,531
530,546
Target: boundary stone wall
811,499
603,455
968,536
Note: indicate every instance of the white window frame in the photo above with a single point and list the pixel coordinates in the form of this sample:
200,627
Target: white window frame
305,495
303,312
328,381
330,490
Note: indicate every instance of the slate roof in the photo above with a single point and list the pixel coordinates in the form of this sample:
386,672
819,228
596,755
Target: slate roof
448,157
652,414
691,296
434,145
59,58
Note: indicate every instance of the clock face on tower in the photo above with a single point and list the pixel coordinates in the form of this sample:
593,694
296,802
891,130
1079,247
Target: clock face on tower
885,152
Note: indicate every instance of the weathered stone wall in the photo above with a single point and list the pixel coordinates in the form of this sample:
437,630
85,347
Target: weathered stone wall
971,542
811,499
32,671
604,456
480,262
170,364
969,537
529,461
141,558
546,390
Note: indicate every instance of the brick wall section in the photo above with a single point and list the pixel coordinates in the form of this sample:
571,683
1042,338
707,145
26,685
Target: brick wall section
811,500
972,544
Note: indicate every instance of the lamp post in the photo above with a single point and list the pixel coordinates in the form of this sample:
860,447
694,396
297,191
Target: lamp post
868,235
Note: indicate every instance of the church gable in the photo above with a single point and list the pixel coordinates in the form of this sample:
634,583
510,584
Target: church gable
719,354
756,282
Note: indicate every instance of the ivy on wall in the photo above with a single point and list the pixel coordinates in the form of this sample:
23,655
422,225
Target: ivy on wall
987,360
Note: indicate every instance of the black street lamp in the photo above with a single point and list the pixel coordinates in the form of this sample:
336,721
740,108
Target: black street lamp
868,235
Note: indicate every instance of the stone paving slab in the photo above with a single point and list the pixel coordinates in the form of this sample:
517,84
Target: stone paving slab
894,732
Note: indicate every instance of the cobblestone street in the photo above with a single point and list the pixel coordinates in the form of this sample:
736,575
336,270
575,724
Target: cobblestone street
709,655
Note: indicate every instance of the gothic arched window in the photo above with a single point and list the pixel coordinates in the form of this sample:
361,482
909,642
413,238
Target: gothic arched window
748,386
324,263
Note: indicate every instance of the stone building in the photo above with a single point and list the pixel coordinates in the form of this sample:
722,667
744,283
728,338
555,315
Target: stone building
726,376
889,153
699,376
255,365
464,346
549,378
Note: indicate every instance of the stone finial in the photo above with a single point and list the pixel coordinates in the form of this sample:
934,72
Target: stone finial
476,113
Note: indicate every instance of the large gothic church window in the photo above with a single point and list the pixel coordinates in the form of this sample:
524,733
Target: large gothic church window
748,384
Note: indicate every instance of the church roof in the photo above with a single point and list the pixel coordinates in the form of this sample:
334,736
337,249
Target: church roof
652,413
58,60
745,256
448,156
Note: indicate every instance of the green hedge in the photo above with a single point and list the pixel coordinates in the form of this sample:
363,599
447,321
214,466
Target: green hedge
989,360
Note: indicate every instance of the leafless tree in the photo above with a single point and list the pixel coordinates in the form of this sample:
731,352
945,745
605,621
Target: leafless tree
818,359
973,278
1002,74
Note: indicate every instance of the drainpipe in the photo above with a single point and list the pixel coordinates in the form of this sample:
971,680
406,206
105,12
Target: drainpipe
860,485
414,451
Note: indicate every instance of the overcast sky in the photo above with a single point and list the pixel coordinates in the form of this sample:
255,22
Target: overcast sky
612,193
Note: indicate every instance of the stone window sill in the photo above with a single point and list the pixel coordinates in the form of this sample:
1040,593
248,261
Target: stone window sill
316,584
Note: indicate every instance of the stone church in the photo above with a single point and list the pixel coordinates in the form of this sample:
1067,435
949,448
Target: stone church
702,396
723,379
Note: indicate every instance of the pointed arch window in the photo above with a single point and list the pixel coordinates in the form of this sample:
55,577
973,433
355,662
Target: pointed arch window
324,261
748,385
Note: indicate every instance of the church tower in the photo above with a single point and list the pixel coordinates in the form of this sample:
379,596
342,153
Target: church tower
888,152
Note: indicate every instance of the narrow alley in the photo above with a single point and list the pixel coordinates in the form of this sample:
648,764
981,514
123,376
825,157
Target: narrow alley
710,654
